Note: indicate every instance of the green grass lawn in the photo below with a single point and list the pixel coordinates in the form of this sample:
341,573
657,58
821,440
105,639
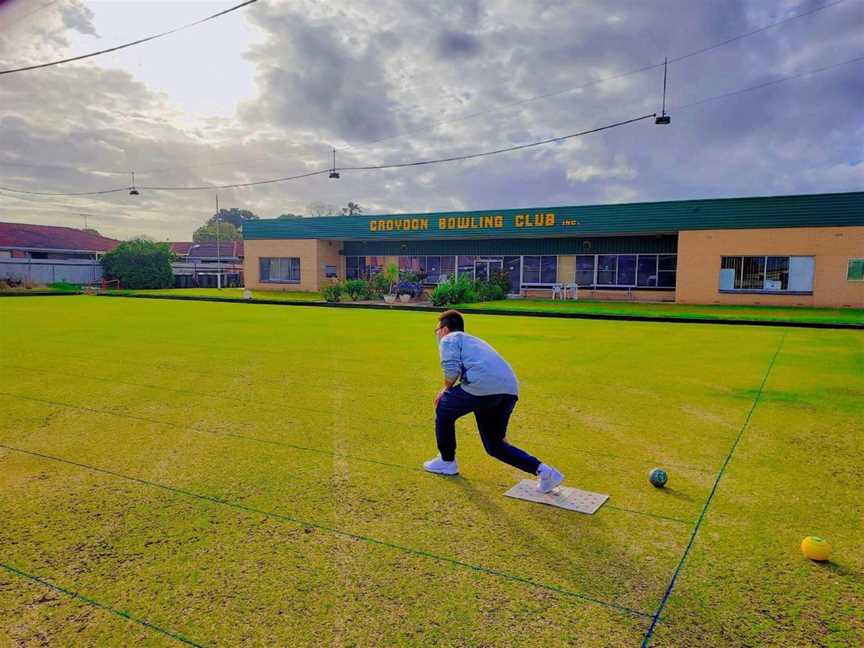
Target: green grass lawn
250,475
631,309
708,312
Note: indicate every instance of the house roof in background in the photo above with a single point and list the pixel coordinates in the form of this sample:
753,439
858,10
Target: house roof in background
227,249
49,237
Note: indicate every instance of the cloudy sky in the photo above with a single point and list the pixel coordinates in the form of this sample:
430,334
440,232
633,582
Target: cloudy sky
268,90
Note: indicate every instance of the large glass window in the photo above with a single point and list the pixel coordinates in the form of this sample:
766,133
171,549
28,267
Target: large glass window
585,269
513,269
767,274
627,270
646,270
430,269
465,266
539,270
279,269
607,270
363,267
667,265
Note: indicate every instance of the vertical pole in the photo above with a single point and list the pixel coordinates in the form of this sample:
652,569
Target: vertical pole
665,64
218,251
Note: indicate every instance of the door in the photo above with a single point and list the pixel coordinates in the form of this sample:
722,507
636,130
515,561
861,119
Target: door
483,268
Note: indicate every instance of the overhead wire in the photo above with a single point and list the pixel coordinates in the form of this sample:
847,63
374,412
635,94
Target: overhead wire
645,68
81,57
520,102
469,156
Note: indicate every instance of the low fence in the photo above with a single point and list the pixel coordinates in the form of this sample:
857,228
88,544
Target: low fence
46,271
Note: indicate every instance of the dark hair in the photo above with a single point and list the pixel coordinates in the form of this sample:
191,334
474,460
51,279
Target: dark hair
452,319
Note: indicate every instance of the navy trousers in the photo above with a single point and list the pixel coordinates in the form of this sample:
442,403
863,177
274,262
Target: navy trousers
492,414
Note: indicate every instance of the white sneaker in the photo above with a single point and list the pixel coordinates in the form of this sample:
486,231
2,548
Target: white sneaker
441,467
549,478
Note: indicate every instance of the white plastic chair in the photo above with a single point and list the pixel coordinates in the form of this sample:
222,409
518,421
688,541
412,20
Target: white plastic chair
572,289
557,291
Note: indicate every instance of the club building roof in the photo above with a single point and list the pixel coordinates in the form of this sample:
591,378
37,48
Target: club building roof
670,217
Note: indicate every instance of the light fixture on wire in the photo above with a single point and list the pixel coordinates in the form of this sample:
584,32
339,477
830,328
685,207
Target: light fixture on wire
334,174
664,119
132,190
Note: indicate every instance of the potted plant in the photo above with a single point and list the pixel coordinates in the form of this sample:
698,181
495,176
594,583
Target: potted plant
392,274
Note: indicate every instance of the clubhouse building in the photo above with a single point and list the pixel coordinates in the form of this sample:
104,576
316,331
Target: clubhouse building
802,250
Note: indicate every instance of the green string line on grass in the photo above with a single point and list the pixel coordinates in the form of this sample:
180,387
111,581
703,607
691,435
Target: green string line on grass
656,617
245,437
101,606
339,532
280,410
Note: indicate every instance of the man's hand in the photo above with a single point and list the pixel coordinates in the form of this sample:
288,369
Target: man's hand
438,397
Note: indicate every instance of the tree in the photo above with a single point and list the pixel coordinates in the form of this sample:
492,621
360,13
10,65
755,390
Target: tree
234,216
140,264
352,209
207,233
319,208
288,215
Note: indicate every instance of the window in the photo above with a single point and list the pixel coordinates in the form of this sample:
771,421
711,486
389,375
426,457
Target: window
766,273
355,267
607,269
539,269
465,266
627,270
646,270
432,269
666,270
363,267
280,269
585,269
855,270
330,271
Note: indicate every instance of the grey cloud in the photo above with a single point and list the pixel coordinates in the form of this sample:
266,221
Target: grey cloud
371,72
79,17
457,45
313,80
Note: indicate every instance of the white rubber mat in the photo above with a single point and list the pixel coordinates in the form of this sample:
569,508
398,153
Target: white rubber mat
564,497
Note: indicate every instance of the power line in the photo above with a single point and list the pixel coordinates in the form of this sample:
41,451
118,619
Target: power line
518,147
645,68
503,108
469,156
124,46
770,83
356,168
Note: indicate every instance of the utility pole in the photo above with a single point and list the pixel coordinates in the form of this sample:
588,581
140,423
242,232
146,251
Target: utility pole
218,250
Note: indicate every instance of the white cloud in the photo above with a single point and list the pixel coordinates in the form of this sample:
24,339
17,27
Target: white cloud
377,76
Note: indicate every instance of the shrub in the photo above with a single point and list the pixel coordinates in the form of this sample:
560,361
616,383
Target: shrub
408,275
355,289
489,291
64,285
378,286
455,291
333,292
502,279
140,264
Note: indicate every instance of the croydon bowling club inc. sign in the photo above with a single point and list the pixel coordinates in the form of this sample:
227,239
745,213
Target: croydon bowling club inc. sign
538,221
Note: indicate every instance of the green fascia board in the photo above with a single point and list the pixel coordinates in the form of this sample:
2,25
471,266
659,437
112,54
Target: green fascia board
809,210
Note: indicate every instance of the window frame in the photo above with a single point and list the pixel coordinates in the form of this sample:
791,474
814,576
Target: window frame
269,261
765,258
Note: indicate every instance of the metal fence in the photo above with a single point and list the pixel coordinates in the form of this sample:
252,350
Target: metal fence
46,271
